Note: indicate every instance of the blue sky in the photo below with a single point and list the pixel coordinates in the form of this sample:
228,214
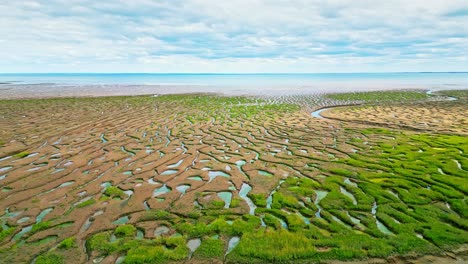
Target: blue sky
233,36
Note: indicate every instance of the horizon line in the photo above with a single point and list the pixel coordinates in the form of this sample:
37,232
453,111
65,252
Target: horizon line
228,73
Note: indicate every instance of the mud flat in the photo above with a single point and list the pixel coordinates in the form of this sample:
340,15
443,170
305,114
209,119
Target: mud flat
214,179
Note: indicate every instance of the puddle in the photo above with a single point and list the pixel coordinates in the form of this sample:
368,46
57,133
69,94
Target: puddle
140,234
183,188
89,221
244,191
5,168
43,214
9,214
122,220
320,196
5,158
214,174
149,150
458,164
175,165
348,194
161,231
355,220
374,209
106,184
440,171
283,223
226,197
383,228
193,244
131,153
160,191
146,205
103,138
65,184
233,242
169,172
305,219
120,260
23,220
152,182
129,193
393,193
269,199
83,200
3,177
195,178
21,233
349,182
264,173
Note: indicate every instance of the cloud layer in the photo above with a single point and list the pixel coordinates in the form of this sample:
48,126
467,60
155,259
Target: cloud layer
233,36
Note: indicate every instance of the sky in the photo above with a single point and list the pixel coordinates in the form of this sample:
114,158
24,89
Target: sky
235,36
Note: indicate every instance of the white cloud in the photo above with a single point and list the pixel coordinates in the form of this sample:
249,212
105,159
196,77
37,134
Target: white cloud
233,36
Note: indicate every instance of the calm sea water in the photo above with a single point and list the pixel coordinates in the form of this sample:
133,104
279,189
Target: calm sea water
72,84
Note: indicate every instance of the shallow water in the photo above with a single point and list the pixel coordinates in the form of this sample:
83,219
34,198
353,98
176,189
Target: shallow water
183,188
349,182
304,218
320,196
103,138
43,214
161,230
120,260
214,174
23,220
233,242
169,172
193,244
160,191
122,220
264,173
316,113
244,191
21,233
383,228
269,199
5,168
195,178
175,165
226,197
348,194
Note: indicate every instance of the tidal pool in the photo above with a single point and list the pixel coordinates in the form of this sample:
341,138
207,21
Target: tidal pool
122,220
213,174
244,191
183,188
169,172
233,242
226,197
164,189
193,244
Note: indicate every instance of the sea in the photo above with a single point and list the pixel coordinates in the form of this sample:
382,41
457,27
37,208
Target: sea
18,85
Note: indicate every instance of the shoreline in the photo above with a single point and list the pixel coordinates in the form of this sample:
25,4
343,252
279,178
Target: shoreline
48,90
